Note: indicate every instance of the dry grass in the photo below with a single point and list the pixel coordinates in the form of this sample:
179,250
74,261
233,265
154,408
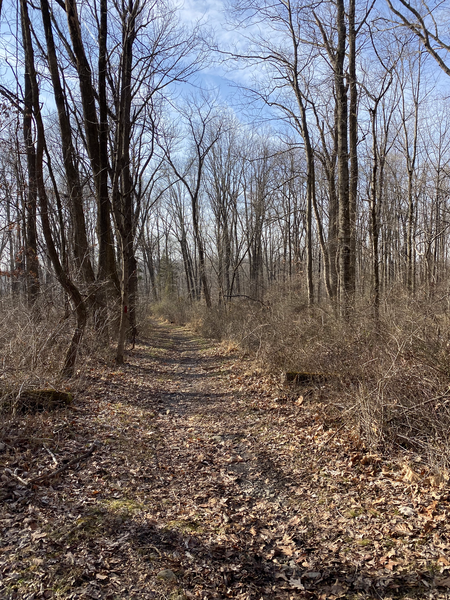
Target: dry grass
391,375
32,341
33,344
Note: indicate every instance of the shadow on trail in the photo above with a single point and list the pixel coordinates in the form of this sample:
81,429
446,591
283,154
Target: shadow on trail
231,557
230,570
219,569
166,366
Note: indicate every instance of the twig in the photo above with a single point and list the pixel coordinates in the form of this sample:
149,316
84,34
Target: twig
47,476
51,454
16,401
248,298
407,409
14,474
151,546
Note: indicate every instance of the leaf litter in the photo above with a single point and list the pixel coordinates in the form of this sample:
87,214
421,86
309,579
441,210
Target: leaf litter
189,473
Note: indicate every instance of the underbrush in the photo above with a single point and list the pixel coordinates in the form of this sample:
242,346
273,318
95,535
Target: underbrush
33,344
174,310
390,376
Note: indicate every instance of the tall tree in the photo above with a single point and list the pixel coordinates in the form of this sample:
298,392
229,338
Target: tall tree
63,277
336,51
122,197
93,132
286,58
204,129
31,252
75,191
223,188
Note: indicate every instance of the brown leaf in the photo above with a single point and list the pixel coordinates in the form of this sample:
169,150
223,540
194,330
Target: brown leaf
370,459
297,584
288,550
379,501
410,475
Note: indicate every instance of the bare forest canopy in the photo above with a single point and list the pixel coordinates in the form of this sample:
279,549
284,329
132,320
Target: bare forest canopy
275,174
124,173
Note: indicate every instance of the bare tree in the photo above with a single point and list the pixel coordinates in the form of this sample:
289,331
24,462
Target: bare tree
31,253
204,129
381,144
285,58
223,187
429,23
64,279
75,191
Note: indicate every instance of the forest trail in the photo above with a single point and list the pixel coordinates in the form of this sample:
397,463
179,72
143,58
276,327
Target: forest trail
212,480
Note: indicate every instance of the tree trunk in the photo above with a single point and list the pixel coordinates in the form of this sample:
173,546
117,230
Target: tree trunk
31,254
201,251
346,283
95,140
374,225
79,305
81,245
329,249
124,317
353,140
122,186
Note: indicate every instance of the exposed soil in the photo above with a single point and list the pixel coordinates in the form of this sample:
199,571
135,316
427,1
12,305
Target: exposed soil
210,479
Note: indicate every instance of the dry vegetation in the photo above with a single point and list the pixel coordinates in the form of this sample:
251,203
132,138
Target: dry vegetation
391,375
193,471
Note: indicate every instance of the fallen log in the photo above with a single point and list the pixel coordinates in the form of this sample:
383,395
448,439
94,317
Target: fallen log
32,401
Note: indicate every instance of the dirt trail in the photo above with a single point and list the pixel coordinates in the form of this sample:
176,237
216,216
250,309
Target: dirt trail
213,481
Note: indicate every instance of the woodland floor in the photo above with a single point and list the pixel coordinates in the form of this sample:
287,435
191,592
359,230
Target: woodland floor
210,480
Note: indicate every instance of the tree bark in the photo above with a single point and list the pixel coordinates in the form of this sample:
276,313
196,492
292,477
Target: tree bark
95,145
123,192
353,141
31,253
374,222
346,283
81,245
79,305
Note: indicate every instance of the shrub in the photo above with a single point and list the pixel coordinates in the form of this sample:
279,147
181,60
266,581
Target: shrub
391,374
172,309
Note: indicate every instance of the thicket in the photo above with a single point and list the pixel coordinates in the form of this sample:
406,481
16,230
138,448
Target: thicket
387,376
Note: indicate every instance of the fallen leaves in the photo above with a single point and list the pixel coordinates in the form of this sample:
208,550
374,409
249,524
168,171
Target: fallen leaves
407,511
212,482
410,475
